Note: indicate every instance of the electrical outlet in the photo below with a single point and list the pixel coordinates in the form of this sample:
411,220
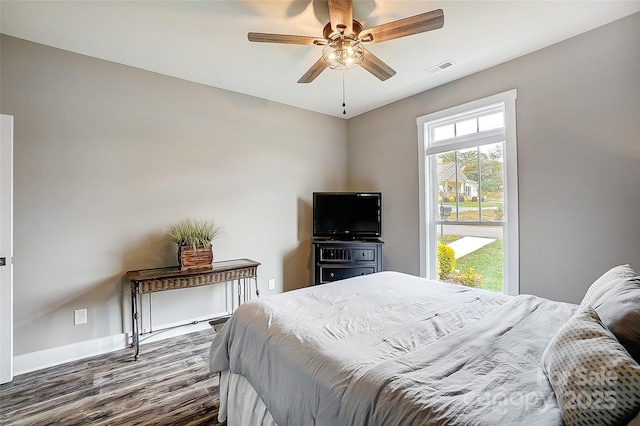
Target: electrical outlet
272,284
79,316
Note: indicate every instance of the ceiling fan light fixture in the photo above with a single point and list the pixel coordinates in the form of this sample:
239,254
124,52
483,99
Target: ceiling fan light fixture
343,53
343,38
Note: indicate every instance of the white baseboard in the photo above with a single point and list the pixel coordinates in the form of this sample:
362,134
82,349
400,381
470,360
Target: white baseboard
38,360
46,358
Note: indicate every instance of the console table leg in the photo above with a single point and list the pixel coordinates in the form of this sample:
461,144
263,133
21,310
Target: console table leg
135,331
226,297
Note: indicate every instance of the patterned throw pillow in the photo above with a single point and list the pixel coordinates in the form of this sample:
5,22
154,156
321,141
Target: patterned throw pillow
595,380
604,282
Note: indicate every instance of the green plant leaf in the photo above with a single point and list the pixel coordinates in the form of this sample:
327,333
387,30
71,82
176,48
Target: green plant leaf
194,232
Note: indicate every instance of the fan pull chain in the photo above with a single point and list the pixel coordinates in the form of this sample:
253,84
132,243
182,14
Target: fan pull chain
344,104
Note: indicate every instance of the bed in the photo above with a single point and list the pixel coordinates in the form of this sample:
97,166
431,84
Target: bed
395,349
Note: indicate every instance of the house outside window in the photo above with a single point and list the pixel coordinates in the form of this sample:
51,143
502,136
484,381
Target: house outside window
468,190
451,177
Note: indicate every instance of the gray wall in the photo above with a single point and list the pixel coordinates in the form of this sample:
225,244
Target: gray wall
107,156
578,130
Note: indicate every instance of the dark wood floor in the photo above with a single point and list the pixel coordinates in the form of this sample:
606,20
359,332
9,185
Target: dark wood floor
170,384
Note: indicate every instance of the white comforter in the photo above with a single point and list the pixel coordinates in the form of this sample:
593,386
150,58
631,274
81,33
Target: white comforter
392,349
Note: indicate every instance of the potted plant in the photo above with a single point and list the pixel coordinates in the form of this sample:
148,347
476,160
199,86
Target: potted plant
194,238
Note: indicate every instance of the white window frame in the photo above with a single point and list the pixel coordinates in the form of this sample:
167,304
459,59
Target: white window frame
427,174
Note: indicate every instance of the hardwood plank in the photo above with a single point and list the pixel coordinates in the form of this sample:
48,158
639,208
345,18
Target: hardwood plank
169,384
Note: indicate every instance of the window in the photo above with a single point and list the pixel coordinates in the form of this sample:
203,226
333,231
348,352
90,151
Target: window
468,190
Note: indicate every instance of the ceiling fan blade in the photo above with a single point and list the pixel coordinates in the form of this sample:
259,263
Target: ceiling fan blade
375,66
404,27
283,38
341,15
314,71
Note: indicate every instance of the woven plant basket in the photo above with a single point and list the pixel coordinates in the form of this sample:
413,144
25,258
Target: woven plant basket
195,257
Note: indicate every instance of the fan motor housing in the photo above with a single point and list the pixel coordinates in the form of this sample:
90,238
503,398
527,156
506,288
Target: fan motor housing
329,34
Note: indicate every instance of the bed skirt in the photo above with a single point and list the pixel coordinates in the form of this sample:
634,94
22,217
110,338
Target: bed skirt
240,404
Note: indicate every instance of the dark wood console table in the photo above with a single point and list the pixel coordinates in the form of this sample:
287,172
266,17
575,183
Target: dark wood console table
230,272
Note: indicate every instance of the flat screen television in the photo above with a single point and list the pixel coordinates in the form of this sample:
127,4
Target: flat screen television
347,215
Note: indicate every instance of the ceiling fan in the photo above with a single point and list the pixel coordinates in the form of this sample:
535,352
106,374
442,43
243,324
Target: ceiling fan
344,38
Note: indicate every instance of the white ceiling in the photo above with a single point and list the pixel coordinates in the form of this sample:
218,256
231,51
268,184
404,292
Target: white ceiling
206,41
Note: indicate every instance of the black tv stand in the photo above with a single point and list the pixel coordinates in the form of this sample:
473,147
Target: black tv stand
335,260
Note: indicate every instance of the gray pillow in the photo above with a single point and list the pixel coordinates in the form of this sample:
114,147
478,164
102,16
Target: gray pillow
594,379
618,306
604,282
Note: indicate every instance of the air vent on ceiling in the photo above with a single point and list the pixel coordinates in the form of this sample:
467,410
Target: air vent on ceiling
438,67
